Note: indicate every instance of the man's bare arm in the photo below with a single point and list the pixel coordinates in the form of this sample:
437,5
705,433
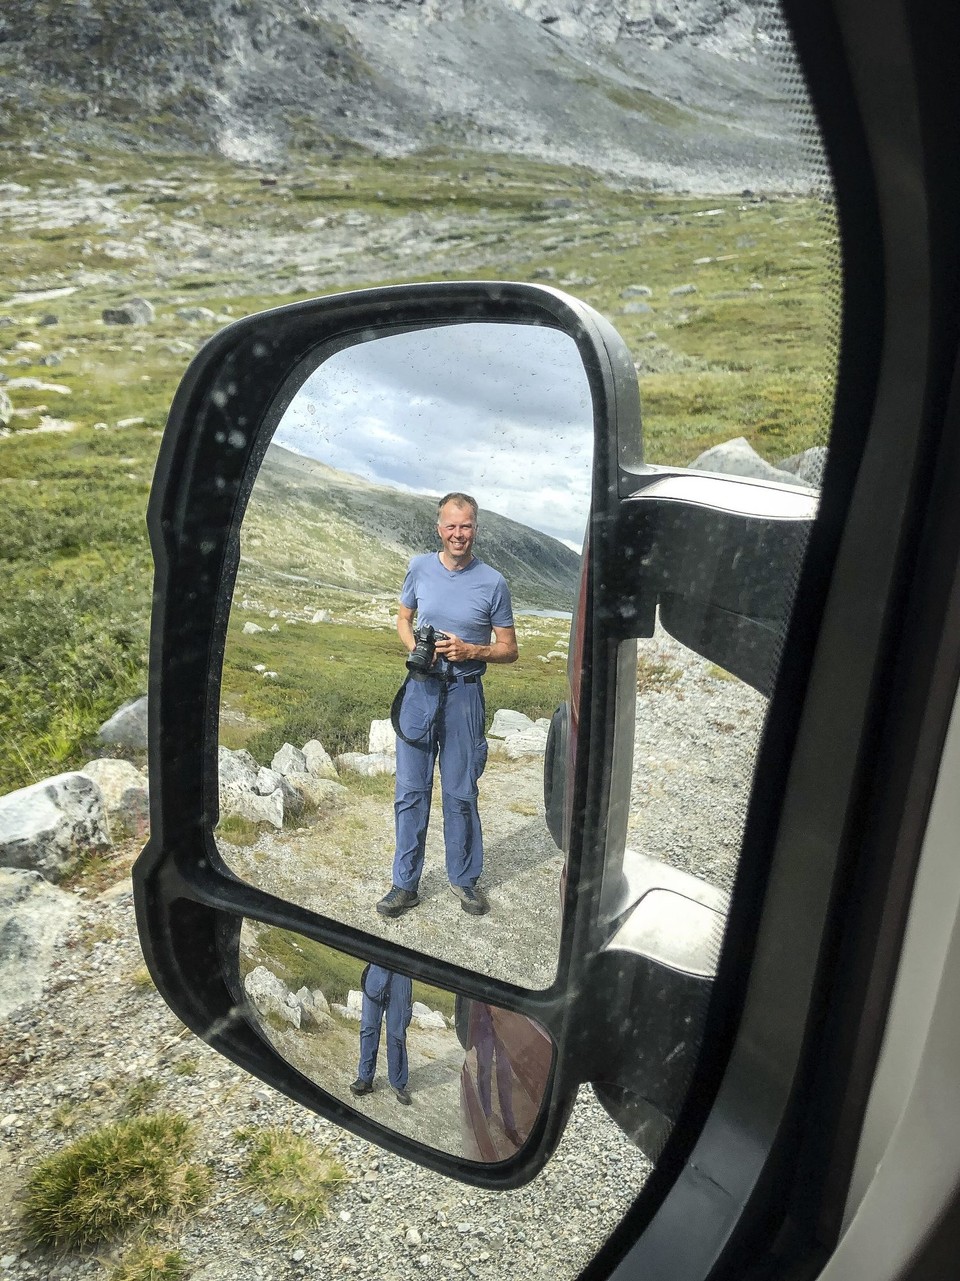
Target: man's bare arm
503,648
405,627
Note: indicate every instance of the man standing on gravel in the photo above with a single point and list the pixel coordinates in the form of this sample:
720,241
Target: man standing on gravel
385,993
443,712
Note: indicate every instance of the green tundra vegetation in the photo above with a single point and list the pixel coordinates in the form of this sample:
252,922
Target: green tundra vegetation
749,353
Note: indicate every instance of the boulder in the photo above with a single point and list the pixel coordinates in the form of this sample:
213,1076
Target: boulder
636,308
33,915
321,794
255,808
125,795
46,826
194,314
251,629
314,1010
506,722
6,409
127,727
739,458
318,760
382,738
354,1004
289,760
135,311
807,466
528,742
271,997
680,290
636,291
368,765
322,616
426,1018
268,781
237,769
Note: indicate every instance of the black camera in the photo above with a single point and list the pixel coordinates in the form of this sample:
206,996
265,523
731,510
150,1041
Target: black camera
420,659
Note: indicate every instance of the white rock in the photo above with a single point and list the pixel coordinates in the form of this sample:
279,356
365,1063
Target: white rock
318,760
250,629
362,763
322,616
739,458
253,807
529,742
127,727
268,781
426,1018
382,738
44,827
289,760
321,794
125,795
271,996
237,769
506,722
314,1008
33,915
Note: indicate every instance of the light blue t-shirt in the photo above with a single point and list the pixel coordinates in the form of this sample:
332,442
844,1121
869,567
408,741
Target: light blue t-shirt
467,602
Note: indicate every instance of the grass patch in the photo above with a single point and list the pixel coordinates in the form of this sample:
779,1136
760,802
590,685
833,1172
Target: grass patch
334,679
289,1172
720,673
150,1262
379,787
142,979
114,1181
655,674
140,1095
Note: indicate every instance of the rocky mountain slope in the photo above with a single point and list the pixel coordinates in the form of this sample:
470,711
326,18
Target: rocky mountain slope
687,96
311,520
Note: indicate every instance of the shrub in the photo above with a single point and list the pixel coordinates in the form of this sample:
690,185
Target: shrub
113,1180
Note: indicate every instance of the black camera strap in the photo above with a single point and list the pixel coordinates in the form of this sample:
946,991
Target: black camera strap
445,683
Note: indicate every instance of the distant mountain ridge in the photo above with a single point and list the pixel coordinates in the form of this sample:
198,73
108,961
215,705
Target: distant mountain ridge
689,95
308,520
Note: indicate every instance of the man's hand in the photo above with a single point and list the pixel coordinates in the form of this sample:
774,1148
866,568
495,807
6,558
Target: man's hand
455,650
503,648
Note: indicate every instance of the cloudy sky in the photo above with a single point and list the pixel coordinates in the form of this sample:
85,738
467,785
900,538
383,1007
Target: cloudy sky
500,411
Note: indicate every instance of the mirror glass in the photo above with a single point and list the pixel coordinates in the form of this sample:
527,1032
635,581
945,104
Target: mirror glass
346,496
458,1075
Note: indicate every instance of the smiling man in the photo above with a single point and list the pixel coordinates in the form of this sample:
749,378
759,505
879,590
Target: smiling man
442,709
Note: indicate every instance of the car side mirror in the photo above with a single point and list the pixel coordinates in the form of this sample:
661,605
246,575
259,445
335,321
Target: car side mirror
603,972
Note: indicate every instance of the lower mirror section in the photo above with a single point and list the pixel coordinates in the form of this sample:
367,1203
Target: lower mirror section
457,1075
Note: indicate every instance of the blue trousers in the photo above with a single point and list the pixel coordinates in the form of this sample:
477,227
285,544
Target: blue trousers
390,994
456,737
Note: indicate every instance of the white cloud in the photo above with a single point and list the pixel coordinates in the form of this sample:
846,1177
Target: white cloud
500,411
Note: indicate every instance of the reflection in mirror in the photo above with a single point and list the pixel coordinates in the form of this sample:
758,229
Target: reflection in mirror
696,737
458,1075
345,498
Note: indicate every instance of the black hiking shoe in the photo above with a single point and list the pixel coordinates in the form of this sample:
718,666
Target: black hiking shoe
471,899
403,1094
397,901
360,1086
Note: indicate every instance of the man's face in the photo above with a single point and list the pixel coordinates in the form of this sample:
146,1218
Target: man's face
457,528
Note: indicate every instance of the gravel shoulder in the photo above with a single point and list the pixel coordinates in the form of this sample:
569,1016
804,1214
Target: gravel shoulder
342,866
